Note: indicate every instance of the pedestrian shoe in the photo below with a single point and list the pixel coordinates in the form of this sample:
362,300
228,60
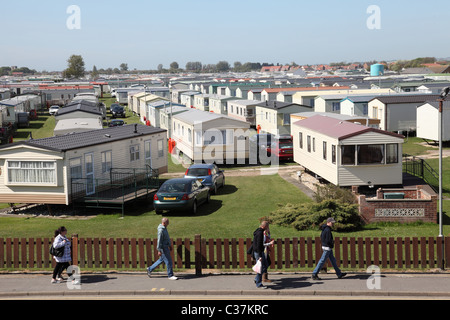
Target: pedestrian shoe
315,277
173,278
343,274
55,281
149,273
60,279
262,287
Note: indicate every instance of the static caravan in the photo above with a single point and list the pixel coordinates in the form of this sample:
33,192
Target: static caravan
44,170
275,117
307,97
201,101
165,116
428,120
218,103
74,125
187,98
122,94
397,113
5,93
79,110
348,154
154,108
24,103
374,123
356,105
204,136
328,103
243,110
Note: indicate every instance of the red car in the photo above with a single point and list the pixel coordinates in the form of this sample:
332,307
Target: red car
282,147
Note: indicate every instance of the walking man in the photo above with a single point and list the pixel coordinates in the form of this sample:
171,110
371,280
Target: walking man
164,246
258,251
327,246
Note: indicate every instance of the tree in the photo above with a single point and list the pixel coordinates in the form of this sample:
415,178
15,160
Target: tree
94,73
124,67
75,68
160,67
194,66
174,66
222,66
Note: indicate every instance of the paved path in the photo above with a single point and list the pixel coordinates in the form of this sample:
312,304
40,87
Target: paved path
240,286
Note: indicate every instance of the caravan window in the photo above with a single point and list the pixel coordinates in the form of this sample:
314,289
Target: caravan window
134,153
76,171
32,172
371,154
106,161
392,153
347,155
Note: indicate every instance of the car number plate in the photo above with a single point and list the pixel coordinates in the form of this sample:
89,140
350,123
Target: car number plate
170,198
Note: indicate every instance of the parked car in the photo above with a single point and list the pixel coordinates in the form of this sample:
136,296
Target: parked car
282,147
53,110
259,142
208,174
117,110
116,123
181,195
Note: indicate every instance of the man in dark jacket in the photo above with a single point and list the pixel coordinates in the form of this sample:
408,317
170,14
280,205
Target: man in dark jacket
326,237
258,252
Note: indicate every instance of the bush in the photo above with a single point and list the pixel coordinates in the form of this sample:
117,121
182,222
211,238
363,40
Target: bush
331,192
312,215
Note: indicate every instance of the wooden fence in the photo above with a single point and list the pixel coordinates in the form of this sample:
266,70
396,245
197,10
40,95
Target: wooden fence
230,254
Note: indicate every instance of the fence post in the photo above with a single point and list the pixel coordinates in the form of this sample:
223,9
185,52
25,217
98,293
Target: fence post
75,249
198,254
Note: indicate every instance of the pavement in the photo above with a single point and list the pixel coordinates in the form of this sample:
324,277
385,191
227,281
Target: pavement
285,286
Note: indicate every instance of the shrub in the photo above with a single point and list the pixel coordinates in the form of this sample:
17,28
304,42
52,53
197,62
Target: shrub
312,215
332,192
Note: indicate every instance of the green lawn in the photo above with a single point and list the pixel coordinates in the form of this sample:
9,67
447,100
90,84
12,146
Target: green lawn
234,212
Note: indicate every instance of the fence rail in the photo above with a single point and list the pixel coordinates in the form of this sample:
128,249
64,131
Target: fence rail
228,254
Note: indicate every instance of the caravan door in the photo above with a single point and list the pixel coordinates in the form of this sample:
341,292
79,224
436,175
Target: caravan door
89,169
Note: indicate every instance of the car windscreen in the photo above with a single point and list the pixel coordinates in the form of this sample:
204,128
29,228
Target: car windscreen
286,145
197,172
175,186
117,108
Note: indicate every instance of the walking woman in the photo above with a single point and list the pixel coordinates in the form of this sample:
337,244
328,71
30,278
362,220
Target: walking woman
268,242
62,243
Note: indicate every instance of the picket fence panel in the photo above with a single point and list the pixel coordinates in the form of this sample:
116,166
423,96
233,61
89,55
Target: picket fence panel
230,254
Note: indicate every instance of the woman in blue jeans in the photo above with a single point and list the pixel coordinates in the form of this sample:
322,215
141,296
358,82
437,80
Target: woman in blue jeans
327,246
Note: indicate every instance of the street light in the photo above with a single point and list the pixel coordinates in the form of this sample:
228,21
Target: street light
445,91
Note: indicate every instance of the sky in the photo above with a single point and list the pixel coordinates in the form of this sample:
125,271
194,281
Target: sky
43,34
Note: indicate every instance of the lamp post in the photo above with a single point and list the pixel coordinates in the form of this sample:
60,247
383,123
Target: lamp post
445,91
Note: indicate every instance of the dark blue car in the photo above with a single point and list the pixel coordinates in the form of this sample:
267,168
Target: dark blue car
208,174
181,195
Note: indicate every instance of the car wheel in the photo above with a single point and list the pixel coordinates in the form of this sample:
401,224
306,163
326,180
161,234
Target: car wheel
215,188
158,211
194,208
223,182
208,197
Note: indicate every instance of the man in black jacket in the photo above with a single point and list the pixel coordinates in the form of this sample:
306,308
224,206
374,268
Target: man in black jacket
327,246
258,252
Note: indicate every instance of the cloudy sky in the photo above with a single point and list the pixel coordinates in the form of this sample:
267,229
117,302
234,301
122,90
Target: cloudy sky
144,33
